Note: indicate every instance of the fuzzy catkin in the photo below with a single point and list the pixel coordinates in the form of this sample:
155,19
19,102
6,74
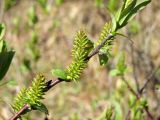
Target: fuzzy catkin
81,48
32,95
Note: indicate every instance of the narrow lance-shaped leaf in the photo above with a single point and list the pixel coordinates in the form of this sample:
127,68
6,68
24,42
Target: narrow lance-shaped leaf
3,47
2,30
133,12
127,9
5,61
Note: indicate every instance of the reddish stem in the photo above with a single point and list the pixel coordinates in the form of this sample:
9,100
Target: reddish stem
19,113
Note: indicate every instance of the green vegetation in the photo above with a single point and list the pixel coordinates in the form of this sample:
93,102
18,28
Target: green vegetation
5,54
136,106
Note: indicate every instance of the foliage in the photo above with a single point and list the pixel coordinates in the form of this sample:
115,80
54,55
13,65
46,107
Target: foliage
59,2
44,4
120,68
5,54
113,5
99,3
107,114
128,10
59,73
32,17
9,4
32,46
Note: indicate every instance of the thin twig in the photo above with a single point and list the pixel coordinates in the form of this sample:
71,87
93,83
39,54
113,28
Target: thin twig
96,50
52,83
149,78
17,115
128,115
134,69
138,98
130,88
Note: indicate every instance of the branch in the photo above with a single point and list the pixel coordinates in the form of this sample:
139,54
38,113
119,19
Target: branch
19,113
138,98
96,50
149,78
52,83
134,69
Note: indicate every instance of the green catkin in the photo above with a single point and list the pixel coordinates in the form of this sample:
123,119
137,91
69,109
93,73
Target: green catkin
82,46
19,100
104,33
32,95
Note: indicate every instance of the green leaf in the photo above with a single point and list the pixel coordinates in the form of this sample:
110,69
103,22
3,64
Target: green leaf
3,47
114,72
132,100
104,55
103,58
139,6
12,83
127,9
120,68
121,64
59,2
114,23
143,103
32,17
113,5
41,107
9,83
5,61
59,73
2,30
109,113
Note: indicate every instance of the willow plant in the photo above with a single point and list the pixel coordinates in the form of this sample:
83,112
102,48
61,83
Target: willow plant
83,49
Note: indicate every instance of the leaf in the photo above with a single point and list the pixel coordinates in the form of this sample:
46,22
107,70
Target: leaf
114,23
139,6
2,30
104,55
3,47
114,72
9,83
120,68
113,5
59,73
103,58
32,17
59,2
132,100
121,64
41,107
117,110
5,61
127,9
109,113
143,103
12,83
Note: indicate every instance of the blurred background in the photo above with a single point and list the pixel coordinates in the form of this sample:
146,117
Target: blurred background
42,31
